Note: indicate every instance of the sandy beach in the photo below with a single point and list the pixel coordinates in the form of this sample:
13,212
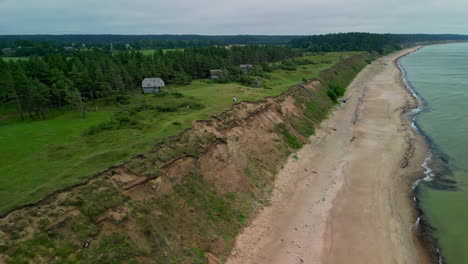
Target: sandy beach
347,199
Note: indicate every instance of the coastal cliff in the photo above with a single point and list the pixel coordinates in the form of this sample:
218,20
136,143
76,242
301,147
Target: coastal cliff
186,200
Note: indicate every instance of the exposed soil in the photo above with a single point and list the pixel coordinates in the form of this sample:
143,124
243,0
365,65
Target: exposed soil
346,198
185,200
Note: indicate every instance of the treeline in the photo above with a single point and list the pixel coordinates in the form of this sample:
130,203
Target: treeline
25,45
366,41
54,80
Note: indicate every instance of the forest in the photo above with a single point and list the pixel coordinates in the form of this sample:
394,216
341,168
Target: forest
104,66
25,45
366,41
54,80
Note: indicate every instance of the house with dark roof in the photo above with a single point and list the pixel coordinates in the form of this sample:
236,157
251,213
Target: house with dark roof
7,50
245,68
152,85
218,74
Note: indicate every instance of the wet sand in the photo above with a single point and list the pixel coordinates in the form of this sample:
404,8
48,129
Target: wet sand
347,199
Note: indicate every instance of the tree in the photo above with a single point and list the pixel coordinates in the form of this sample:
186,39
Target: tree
39,97
73,97
7,85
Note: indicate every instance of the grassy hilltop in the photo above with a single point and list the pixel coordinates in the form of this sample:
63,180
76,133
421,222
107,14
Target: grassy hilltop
65,149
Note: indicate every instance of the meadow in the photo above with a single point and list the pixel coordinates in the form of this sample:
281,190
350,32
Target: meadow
39,157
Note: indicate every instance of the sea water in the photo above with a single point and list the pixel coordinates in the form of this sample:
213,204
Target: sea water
439,75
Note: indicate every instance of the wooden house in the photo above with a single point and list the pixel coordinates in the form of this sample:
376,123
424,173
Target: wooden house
218,74
245,68
152,85
7,50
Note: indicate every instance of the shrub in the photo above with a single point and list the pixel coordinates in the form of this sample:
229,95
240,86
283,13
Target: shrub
192,105
290,139
166,108
339,90
120,120
332,96
177,94
161,94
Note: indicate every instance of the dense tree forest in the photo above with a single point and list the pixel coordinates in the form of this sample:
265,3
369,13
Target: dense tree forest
26,45
54,76
366,41
54,80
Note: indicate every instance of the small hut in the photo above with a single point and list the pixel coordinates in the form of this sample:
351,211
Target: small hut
7,50
245,68
218,74
152,85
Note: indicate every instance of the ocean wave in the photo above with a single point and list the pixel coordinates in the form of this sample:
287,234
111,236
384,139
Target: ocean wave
428,172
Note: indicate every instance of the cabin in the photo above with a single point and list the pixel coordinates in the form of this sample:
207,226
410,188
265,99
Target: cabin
245,68
218,74
152,85
7,50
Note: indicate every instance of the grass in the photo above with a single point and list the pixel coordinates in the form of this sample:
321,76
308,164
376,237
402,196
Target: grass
14,58
43,156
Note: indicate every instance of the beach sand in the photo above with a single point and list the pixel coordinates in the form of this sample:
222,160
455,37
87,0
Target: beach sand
347,198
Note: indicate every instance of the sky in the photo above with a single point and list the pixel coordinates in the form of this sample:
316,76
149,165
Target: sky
232,17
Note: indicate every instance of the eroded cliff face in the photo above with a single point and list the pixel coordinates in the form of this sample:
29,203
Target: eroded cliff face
186,200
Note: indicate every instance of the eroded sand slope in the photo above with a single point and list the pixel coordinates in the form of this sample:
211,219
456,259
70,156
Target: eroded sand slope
346,199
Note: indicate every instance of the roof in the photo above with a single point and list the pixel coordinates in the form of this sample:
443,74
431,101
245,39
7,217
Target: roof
152,82
244,66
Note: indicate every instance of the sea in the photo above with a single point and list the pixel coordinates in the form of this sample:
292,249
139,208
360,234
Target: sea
438,76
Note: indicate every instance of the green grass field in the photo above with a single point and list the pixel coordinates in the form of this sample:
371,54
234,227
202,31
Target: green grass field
13,58
39,157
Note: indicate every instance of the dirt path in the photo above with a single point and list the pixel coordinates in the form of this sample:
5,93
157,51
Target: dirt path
346,198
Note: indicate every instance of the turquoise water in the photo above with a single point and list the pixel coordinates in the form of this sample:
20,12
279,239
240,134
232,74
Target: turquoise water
439,75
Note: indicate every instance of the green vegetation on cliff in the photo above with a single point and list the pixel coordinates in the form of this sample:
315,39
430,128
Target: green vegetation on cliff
187,198
64,149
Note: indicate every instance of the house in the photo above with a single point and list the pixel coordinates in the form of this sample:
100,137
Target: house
152,85
7,50
218,74
68,48
245,68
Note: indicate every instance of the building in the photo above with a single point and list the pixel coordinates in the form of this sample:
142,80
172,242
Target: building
245,68
7,50
218,74
68,48
152,85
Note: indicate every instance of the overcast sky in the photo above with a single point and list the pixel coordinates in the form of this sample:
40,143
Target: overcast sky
216,17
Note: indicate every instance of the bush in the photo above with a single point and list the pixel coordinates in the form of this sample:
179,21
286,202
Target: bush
195,106
120,120
332,96
165,108
290,139
177,94
339,90
161,94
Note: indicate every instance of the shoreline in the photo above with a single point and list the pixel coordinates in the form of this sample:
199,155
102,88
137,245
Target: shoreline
423,230
314,199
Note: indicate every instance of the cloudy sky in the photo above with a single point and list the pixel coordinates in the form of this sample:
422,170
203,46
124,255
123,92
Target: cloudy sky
212,17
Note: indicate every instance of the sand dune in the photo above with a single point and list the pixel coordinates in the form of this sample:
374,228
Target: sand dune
346,199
